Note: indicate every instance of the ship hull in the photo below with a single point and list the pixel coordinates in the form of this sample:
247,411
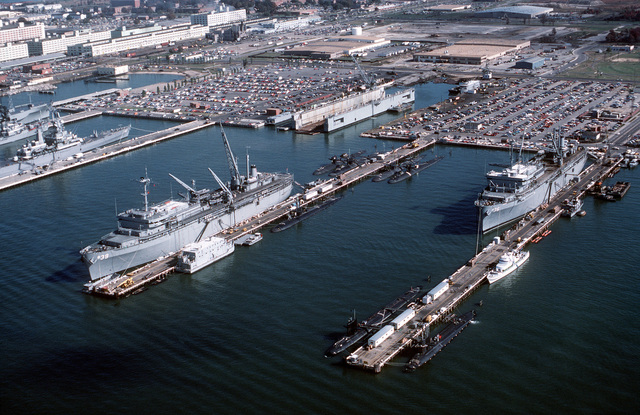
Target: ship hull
494,215
32,114
109,261
24,134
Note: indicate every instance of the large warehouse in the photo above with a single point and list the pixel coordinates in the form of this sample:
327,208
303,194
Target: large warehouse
515,12
471,52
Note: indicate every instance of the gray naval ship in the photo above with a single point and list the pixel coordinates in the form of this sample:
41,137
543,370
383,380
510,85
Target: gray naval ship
57,144
144,235
21,122
28,113
522,187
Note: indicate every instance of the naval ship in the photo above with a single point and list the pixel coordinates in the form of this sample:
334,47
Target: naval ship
27,113
15,126
57,144
522,187
144,235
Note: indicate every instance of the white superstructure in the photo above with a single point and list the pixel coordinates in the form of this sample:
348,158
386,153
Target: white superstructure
508,263
198,255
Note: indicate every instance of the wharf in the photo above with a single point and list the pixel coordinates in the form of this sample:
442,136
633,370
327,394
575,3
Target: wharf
464,281
113,286
102,154
79,116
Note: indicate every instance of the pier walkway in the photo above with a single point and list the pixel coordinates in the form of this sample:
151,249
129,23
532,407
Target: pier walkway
470,276
101,154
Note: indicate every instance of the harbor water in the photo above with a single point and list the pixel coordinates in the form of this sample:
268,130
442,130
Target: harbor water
247,334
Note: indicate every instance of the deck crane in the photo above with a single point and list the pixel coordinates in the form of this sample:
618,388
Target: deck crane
368,81
233,166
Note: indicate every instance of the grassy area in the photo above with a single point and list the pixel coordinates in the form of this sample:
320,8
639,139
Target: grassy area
609,65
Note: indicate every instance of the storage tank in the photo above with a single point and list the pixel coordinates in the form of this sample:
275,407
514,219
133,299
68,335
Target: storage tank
403,318
356,31
382,335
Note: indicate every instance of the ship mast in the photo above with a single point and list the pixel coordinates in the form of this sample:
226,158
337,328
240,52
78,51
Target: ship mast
145,182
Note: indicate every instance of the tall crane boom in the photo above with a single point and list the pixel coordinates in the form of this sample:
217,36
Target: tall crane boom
367,80
233,166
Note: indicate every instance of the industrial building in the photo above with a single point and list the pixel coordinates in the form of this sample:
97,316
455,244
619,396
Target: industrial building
448,7
355,44
279,25
515,12
531,63
471,52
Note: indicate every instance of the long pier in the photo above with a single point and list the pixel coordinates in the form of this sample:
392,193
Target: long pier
102,154
464,281
113,286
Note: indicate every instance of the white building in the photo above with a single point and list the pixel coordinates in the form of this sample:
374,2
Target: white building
171,34
21,32
219,18
60,44
10,52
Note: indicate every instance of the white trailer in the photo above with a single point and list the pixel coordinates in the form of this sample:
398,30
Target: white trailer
403,318
436,292
382,335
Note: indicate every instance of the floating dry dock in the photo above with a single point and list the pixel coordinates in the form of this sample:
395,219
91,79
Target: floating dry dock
449,294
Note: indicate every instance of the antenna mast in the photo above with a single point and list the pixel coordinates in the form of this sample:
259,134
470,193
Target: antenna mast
145,182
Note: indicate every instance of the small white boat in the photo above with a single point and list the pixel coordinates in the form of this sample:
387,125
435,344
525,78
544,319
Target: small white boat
252,239
508,263
198,255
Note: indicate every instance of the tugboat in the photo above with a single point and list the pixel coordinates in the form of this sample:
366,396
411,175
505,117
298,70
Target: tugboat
571,207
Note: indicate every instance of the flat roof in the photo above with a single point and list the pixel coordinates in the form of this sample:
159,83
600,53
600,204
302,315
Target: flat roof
495,42
472,51
450,7
532,10
33,59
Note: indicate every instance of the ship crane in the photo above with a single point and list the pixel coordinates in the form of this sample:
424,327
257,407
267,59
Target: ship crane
224,188
368,81
193,193
233,166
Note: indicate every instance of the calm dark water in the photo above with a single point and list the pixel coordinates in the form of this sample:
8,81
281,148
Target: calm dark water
247,334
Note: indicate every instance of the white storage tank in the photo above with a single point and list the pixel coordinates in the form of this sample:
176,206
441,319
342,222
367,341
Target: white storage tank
403,318
356,31
436,292
382,335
